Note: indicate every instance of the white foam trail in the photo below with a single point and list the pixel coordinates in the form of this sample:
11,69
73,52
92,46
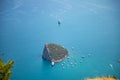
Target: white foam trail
98,5
111,66
93,7
16,6
64,6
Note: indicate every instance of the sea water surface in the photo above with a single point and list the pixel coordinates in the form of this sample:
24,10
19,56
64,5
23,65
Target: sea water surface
89,29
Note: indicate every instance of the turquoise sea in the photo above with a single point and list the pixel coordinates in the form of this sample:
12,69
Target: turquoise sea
89,29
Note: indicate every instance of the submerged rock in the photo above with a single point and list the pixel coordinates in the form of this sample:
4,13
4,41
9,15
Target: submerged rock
54,53
83,57
118,60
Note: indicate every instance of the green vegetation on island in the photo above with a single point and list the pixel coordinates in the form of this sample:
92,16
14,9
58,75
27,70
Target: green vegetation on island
54,52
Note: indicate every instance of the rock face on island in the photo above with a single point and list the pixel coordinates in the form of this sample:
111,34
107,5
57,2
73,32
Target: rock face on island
54,53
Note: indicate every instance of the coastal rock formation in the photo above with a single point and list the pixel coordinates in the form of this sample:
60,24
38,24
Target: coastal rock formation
54,53
103,78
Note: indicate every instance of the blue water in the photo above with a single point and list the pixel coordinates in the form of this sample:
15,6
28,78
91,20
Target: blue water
89,29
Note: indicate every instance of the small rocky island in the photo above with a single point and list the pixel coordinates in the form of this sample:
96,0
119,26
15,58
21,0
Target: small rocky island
54,53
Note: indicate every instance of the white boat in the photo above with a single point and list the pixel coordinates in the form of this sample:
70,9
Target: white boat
52,63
